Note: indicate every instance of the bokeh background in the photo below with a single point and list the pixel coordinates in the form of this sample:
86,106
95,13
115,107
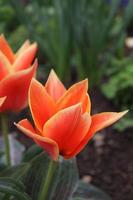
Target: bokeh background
85,39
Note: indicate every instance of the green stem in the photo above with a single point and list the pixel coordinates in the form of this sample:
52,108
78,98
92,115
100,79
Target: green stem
48,180
4,124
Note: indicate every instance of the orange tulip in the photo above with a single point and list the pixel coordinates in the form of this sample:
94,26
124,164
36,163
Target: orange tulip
63,123
16,73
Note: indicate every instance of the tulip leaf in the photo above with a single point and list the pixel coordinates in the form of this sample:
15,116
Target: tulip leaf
63,182
33,151
12,188
32,173
34,170
14,172
2,164
85,191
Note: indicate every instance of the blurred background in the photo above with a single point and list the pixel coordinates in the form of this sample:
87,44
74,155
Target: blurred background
85,39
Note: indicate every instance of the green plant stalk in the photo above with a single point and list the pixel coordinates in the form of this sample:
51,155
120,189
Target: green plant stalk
4,125
48,180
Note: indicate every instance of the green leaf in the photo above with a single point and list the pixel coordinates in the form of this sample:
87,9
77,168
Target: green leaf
12,182
85,191
13,188
34,171
2,163
14,172
33,151
78,198
63,182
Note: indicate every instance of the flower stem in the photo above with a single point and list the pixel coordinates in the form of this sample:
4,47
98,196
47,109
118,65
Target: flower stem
4,124
48,180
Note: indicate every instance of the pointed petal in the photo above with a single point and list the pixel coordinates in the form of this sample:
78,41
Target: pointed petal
54,86
2,99
103,120
26,58
27,125
5,66
6,49
41,104
73,95
86,104
99,121
23,48
47,144
15,88
62,125
78,135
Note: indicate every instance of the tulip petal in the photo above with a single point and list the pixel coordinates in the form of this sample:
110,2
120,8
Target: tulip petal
86,104
54,86
41,104
103,120
62,125
6,49
23,48
2,99
5,66
47,144
78,134
73,95
26,58
99,121
15,88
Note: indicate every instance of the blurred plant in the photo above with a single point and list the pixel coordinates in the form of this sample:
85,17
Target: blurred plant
52,30
100,30
10,25
77,34
6,20
119,88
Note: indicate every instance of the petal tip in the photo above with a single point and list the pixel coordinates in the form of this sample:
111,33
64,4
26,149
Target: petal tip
2,36
35,45
85,83
123,113
33,80
78,105
53,73
35,64
2,100
16,124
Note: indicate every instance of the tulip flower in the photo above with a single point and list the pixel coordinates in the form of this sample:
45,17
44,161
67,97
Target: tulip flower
62,118
16,74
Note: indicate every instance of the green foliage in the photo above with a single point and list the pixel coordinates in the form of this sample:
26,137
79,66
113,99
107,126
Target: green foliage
77,35
101,31
71,36
9,187
85,191
27,179
10,25
2,164
119,88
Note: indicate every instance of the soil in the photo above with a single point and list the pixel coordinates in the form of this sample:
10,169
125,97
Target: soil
107,161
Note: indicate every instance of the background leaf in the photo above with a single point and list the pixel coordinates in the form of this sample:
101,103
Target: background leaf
12,188
85,191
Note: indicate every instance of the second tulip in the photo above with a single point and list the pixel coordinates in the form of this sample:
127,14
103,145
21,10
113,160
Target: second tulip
16,73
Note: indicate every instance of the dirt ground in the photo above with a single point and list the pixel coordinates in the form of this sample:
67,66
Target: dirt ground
110,165
107,161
